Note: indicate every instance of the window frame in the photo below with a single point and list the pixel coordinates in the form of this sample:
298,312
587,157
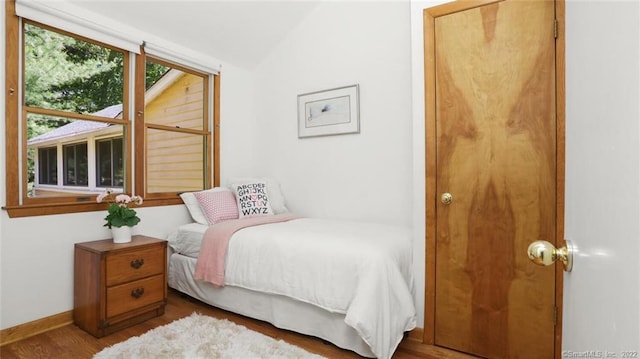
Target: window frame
212,149
18,204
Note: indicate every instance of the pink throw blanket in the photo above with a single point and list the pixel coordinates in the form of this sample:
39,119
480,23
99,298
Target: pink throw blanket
213,252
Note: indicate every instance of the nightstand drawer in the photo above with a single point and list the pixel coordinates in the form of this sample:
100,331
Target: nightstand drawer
127,266
134,295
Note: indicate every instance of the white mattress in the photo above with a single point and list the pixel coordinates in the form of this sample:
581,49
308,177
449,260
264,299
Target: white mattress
187,239
283,312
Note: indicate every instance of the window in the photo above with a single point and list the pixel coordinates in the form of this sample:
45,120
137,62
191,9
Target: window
69,132
75,165
177,122
73,93
110,163
48,165
176,128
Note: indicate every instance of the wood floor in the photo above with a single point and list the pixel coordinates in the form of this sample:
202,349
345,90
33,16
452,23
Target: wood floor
72,342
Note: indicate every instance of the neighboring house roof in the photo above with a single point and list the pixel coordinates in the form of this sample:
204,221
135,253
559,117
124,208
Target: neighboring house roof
79,126
111,111
163,83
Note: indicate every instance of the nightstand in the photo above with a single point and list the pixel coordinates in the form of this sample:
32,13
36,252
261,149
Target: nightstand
118,285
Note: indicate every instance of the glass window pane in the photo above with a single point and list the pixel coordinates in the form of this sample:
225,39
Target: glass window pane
69,165
46,133
69,74
103,163
176,99
75,165
48,166
110,163
175,161
82,164
118,160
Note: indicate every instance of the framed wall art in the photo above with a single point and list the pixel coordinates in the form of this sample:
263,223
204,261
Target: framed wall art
329,112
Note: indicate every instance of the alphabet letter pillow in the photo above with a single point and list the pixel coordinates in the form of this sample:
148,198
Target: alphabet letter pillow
276,198
252,199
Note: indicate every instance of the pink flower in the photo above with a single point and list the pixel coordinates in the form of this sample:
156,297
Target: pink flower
137,200
120,200
123,198
101,197
104,195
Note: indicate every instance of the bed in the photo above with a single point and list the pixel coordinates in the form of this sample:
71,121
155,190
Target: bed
349,283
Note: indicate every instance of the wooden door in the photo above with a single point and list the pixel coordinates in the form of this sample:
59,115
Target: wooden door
493,142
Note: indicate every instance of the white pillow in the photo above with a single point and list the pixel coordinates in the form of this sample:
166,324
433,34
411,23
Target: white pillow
193,206
276,199
253,200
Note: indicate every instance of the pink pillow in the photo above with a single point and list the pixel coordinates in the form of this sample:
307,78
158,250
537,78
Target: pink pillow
218,206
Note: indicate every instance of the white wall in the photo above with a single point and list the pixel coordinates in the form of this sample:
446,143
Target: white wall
2,157
37,257
237,114
602,293
365,176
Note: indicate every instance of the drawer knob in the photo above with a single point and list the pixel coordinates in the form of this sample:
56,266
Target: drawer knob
137,293
137,263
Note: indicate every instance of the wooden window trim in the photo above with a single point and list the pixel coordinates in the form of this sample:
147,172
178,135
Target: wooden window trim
62,205
11,106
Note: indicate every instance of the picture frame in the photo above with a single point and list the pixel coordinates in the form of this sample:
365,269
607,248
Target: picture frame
329,112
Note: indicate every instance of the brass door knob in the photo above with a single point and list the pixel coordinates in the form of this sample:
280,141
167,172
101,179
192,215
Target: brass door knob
446,198
544,253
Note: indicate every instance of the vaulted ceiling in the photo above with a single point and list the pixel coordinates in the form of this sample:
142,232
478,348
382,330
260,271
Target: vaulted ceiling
238,32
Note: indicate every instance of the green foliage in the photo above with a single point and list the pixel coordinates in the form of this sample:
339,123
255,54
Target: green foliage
119,216
69,74
97,90
118,213
154,72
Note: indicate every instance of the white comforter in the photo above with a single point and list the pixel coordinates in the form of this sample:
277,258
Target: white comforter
362,270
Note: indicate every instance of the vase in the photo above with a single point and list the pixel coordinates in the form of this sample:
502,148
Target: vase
121,234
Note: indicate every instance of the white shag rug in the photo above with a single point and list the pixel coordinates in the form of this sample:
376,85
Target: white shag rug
201,336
